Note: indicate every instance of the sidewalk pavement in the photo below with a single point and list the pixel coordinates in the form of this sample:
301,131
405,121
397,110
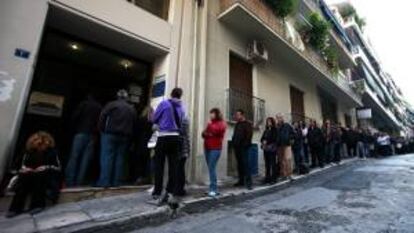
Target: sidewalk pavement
127,212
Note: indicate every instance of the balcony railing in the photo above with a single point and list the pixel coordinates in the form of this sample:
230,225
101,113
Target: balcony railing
253,107
261,10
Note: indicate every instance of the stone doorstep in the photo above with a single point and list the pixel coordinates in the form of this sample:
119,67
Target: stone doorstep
81,194
78,217
159,215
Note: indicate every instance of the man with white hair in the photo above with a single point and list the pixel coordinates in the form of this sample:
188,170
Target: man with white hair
116,124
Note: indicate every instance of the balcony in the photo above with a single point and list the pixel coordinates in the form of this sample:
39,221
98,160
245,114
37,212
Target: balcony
371,100
253,19
121,16
254,107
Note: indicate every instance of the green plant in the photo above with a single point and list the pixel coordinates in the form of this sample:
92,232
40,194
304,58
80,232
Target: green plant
331,57
318,32
348,12
283,8
360,21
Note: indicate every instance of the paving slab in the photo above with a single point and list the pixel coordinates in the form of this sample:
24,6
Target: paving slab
21,224
51,221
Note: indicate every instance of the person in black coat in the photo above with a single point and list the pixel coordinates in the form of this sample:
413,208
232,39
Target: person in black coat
269,140
241,141
297,147
316,144
37,175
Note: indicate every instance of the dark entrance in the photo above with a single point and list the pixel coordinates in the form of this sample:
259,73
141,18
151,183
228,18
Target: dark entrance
297,104
68,69
329,107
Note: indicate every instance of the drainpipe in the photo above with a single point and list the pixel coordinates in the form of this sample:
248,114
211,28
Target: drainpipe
198,81
180,36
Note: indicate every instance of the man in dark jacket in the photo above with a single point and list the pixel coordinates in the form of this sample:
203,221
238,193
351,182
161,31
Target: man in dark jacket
316,143
117,123
242,140
297,147
284,142
85,121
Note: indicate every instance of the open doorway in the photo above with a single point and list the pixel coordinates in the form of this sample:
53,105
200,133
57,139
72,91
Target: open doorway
69,69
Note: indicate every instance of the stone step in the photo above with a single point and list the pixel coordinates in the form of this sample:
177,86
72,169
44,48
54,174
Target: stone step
82,193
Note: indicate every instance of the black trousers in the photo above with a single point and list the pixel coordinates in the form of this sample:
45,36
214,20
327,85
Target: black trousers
270,166
33,185
243,168
317,153
337,152
181,176
168,147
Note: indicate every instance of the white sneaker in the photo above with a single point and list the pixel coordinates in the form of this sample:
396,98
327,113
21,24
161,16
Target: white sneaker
212,194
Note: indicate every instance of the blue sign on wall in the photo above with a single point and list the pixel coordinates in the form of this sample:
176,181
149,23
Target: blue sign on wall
21,53
158,88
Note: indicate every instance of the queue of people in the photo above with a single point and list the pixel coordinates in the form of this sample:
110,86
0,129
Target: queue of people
287,149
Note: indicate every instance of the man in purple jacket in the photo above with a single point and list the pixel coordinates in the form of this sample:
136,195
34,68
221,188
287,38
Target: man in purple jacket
168,116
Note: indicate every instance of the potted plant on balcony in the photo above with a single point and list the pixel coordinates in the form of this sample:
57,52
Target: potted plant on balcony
317,35
348,12
282,8
331,57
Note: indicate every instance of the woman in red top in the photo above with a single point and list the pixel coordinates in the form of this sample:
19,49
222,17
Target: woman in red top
213,142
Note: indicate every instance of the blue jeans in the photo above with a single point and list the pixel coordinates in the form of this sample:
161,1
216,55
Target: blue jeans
80,159
113,153
362,150
212,157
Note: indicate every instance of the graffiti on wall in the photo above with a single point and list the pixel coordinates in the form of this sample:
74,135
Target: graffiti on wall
6,86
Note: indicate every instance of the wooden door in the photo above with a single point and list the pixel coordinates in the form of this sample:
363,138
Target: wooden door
241,86
240,75
297,104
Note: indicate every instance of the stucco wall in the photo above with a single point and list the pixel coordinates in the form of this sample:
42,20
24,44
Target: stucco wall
21,25
271,81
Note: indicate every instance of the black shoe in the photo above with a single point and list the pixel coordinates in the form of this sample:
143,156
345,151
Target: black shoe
266,181
12,214
181,193
239,184
163,199
249,187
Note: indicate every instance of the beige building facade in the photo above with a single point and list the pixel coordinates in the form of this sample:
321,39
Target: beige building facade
201,46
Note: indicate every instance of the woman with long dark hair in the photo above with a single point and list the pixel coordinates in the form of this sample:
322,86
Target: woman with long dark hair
213,142
269,146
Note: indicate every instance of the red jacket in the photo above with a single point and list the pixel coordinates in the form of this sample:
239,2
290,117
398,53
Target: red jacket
213,135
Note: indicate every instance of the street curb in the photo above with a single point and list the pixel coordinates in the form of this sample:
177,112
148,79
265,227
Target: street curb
163,214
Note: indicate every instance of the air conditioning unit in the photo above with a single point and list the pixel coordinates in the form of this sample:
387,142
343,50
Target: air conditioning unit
257,52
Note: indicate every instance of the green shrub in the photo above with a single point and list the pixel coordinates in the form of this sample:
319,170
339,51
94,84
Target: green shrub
282,8
348,12
318,32
331,57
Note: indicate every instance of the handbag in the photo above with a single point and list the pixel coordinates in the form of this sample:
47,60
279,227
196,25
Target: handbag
152,142
179,124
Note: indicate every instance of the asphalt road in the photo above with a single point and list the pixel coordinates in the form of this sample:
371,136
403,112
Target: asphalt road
367,196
